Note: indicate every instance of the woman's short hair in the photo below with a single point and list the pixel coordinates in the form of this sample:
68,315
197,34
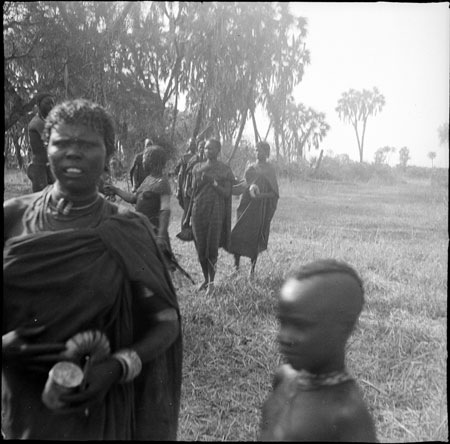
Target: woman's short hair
154,159
265,146
216,143
82,112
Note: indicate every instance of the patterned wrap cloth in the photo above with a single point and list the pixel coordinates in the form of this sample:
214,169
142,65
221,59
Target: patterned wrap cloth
211,212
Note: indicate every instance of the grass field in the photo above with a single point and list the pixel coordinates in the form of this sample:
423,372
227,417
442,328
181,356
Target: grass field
397,239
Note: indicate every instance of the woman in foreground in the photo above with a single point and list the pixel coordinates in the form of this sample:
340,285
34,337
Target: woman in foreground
76,264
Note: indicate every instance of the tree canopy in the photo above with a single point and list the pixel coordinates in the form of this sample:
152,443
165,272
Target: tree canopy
140,59
443,134
403,156
355,107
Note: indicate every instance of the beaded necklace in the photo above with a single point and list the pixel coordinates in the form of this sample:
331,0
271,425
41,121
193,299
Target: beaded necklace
65,206
44,215
305,380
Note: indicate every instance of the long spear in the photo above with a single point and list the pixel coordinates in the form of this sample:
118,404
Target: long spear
171,259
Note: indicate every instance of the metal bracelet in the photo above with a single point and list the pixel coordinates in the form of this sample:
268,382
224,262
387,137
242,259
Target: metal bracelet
131,364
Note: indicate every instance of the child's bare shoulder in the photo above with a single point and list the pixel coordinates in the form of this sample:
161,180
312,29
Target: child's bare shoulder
352,418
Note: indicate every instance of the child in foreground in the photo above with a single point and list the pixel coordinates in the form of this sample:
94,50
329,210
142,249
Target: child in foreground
314,398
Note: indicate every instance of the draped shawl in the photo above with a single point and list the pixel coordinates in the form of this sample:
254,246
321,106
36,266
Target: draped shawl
250,235
211,212
74,280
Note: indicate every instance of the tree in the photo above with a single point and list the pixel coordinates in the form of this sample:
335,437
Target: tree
382,155
261,65
138,58
432,156
443,134
403,156
304,128
356,107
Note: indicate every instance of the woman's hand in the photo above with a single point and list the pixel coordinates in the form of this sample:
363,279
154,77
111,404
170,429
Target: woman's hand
110,189
18,348
98,381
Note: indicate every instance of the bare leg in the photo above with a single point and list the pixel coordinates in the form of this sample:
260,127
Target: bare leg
253,265
204,265
212,274
237,260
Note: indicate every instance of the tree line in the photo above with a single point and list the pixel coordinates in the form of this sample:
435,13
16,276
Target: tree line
140,59
171,71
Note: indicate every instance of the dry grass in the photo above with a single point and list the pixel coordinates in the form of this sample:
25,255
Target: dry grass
396,237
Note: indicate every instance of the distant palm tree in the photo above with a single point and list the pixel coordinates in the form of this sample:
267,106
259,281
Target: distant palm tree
356,107
432,156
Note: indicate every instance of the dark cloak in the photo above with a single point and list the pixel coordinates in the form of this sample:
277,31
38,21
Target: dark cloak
211,212
250,235
74,280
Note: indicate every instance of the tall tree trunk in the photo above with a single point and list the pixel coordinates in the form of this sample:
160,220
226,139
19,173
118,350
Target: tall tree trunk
355,126
238,138
268,129
243,121
361,149
316,169
255,129
175,112
277,144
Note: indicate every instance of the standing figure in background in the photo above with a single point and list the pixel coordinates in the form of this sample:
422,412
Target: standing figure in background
188,187
314,398
250,235
211,210
75,264
180,173
137,173
152,198
38,171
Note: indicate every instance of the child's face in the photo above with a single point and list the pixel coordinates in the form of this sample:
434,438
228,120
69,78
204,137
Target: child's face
310,336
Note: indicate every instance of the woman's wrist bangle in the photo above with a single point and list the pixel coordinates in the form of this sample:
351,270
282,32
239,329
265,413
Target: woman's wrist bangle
130,362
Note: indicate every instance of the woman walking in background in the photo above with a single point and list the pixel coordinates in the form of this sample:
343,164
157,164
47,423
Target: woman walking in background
250,235
211,210
152,198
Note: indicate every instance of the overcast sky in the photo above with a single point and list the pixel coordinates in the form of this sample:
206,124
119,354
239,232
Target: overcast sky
403,50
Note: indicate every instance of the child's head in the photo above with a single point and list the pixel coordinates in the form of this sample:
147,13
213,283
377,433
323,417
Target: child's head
318,309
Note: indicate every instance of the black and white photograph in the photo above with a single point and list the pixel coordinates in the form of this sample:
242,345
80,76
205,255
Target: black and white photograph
225,221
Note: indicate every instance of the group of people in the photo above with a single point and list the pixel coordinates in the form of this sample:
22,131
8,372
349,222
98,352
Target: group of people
77,265
204,190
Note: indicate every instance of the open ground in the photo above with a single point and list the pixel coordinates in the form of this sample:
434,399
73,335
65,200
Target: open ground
397,239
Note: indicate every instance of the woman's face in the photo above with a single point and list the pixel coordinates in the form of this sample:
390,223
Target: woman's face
46,106
211,150
77,156
261,153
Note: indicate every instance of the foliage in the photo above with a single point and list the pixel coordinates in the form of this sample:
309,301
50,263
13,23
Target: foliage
382,154
403,156
284,70
138,58
303,128
355,107
443,134
431,155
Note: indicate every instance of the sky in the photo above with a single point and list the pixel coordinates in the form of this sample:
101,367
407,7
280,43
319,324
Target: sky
400,48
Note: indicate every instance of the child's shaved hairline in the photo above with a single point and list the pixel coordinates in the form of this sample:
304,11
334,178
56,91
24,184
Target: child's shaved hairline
327,266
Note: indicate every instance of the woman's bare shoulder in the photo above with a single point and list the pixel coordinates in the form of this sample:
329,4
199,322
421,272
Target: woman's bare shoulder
13,211
18,204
